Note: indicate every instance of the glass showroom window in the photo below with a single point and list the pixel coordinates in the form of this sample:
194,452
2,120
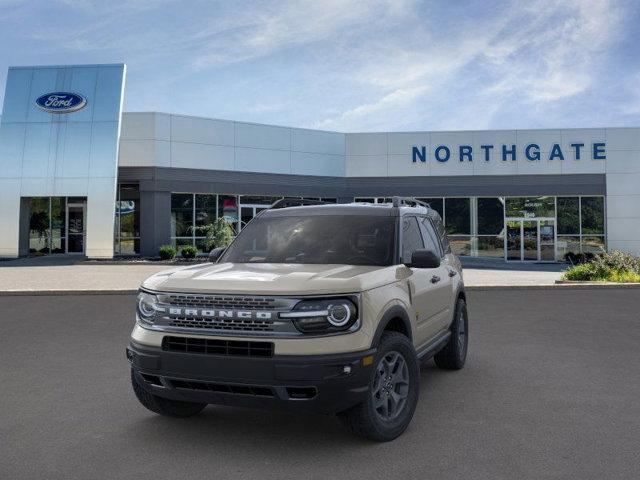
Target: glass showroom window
204,214
47,227
581,223
568,225
188,212
457,220
127,228
490,226
592,220
436,204
530,207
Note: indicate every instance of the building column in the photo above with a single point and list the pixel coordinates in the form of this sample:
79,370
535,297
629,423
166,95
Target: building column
9,217
155,221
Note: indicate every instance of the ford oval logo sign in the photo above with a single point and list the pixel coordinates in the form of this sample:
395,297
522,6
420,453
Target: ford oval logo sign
61,102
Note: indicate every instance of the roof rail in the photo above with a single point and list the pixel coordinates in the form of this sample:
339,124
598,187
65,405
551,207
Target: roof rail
295,202
409,201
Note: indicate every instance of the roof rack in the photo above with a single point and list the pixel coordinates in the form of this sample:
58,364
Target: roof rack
295,202
409,201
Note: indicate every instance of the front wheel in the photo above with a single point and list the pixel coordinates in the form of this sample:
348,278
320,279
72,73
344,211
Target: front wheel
393,392
164,406
454,354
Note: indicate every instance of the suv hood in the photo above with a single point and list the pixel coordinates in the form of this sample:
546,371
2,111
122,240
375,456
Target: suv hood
271,278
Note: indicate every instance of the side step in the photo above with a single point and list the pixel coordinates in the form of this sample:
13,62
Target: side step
433,346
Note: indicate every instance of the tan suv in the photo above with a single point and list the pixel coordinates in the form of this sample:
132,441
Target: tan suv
323,308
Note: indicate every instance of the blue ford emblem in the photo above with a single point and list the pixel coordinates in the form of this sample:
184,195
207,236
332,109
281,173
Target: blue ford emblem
61,102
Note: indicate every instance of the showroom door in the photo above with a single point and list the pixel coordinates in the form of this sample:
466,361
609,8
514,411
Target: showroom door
76,220
532,240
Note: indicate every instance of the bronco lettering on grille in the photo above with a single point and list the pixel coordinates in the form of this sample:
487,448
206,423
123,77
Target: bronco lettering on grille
212,313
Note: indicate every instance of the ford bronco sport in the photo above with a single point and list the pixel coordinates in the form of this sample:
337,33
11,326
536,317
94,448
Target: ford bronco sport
322,308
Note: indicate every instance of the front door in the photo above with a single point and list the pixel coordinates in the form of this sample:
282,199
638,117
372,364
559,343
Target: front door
430,288
530,240
75,227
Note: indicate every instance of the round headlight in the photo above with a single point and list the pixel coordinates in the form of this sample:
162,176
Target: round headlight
323,315
339,314
146,305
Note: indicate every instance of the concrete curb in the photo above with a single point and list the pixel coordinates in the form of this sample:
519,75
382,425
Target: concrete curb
556,286
476,288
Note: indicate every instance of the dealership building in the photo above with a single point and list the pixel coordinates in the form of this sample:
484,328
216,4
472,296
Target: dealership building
79,176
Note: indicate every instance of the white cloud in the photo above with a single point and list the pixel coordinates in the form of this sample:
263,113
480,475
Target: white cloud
351,64
538,54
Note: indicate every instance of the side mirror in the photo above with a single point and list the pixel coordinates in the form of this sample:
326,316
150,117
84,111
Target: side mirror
424,259
215,254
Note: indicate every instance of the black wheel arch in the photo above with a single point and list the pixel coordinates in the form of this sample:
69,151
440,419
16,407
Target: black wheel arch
460,295
395,319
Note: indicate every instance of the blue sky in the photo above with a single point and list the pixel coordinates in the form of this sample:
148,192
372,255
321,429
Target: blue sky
350,65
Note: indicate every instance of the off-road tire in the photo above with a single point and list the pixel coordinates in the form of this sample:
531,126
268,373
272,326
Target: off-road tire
454,354
363,419
164,406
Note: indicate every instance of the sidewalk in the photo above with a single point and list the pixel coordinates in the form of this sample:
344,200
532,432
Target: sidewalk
64,274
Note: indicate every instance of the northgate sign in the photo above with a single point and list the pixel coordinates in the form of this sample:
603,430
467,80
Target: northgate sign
531,152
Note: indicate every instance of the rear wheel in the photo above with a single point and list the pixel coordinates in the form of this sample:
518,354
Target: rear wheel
393,392
164,406
454,354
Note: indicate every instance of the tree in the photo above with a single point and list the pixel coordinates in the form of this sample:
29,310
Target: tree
218,233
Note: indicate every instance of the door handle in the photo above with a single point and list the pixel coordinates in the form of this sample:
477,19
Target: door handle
435,279
452,273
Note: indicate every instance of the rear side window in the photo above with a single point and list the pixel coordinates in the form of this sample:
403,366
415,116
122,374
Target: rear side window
431,241
411,238
441,232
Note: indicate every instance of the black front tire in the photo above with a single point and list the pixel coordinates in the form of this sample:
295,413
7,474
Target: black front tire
454,355
164,406
363,419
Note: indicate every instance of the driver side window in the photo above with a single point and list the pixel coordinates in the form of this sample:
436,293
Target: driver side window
411,238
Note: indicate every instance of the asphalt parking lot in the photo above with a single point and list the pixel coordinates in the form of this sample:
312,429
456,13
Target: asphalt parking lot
551,390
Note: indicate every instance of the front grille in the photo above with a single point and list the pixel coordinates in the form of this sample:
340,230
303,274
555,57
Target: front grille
254,390
216,314
218,301
221,324
208,346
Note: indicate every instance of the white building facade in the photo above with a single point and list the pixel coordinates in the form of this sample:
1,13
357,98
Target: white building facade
520,195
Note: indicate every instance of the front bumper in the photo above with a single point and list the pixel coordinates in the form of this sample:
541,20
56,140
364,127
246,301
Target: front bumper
319,383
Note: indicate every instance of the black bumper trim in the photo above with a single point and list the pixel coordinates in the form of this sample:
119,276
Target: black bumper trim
318,383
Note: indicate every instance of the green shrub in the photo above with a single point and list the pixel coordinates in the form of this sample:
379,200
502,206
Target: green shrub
167,252
189,251
607,267
583,271
617,260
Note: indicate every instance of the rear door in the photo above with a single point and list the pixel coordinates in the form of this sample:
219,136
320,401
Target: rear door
424,284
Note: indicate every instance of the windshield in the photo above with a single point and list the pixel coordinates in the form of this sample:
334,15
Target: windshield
319,239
